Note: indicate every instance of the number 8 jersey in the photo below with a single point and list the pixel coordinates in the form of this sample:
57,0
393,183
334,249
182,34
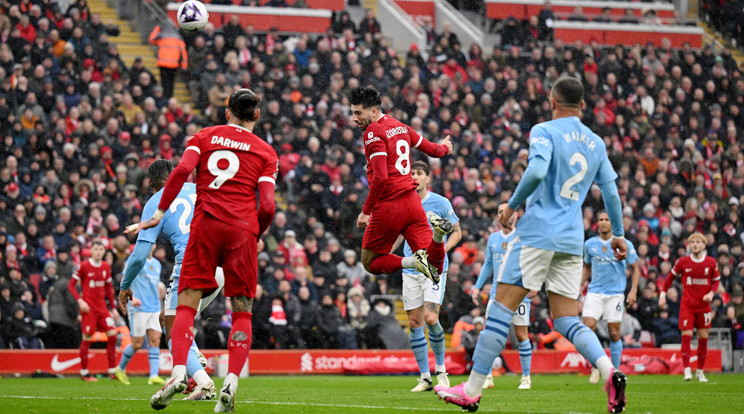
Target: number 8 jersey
576,157
232,161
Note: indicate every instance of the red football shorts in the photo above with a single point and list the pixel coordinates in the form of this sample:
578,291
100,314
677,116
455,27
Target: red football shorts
215,243
689,319
403,215
96,320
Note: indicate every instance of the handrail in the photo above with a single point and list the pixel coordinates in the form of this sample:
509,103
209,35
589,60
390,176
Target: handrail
143,15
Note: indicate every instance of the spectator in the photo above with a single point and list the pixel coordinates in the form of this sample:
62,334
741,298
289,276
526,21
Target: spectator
171,55
63,311
337,333
384,329
20,330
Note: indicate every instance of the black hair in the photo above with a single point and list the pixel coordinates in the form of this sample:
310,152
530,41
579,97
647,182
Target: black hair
420,165
158,171
243,103
568,91
97,243
368,97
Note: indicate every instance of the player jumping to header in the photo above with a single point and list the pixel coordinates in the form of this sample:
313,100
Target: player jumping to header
392,207
564,158
604,297
700,280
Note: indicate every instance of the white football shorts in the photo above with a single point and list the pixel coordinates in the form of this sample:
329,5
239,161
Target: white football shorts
418,289
141,322
598,305
171,293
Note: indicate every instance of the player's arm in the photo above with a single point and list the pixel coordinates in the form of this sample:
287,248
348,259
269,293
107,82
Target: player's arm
397,243
429,148
135,264
485,273
377,182
72,287
605,179
715,283
266,203
454,237
536,171
635,276
586,274
109,286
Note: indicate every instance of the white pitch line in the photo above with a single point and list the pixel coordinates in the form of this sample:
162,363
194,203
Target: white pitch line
368,407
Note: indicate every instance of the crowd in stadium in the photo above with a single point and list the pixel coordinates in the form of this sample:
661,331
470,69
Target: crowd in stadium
79,129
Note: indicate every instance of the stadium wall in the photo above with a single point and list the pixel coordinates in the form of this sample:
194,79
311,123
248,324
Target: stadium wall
261,362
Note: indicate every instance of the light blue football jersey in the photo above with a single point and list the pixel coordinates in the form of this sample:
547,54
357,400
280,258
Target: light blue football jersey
176,224
442,207
608,275
495,249
576,157
145,287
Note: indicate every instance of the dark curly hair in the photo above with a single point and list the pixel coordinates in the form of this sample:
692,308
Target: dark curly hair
368,97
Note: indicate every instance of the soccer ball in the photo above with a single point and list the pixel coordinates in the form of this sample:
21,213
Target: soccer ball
192,15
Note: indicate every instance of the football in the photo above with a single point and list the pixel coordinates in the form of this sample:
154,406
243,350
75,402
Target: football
192,15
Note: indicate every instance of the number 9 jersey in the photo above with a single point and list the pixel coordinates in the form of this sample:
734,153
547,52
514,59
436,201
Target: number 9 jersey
232,161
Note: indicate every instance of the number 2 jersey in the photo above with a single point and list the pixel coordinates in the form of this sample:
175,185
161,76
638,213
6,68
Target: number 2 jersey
698,277
96,285
176,223
232,161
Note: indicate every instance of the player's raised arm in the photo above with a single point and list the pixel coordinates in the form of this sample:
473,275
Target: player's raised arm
429,148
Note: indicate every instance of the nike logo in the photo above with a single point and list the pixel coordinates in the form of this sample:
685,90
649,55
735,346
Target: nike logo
61,366
688,270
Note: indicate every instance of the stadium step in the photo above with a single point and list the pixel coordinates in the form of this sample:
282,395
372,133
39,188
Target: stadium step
714,38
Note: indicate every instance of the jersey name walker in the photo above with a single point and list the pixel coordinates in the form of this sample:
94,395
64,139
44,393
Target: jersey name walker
176,224
442,207
608,275
229,171
697,278
576,156
145,286
94,281
389,137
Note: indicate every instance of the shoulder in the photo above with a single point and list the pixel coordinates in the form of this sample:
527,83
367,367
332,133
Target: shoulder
710,261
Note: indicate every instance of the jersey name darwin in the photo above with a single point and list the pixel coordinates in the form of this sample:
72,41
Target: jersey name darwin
229,143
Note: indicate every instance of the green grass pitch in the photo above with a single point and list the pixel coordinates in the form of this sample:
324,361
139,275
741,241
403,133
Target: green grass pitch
724,393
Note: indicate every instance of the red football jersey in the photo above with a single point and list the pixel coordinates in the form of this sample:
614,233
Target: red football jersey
698,278
232,161
96,284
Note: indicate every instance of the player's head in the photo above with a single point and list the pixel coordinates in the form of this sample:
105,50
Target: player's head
603,223
158,172
365,105
420,173
567,94
243,106
97,250
500,209
697,242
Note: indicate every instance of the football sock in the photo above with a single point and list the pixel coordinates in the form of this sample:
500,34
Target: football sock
183,334
436,254
438,237
525,356
153,355
232,380
111,352
490,344
420,350
126,355
389,263
201,377
84,348
686,350
585,341
192,361
702,352
616,352
436,339
240,341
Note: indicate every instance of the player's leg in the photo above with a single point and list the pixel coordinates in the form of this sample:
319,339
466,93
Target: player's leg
106,324
137,331
703,322
153,355
521,323
686,324
489,377
442,227
591,312
85,348
613,312
436,338
428,246
413,300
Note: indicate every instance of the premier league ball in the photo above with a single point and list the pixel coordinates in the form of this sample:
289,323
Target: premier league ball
192,15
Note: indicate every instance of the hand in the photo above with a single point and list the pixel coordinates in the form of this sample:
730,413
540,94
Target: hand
447,143
260,246
144,225
619,248
124,296
662,301
114,314
362,220
136,303
505,219
531,294
631,299
84,308
474,294
708,297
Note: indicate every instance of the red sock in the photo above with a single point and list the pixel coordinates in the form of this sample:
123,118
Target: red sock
686,350
702,352
111,351
84,348
436,255
240,341
183,334
386,263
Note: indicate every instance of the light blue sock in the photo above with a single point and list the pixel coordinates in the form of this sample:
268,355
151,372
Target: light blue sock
126,356
192,361
420,349
616,352
492,338
153,355
583,338
436,339
525,356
